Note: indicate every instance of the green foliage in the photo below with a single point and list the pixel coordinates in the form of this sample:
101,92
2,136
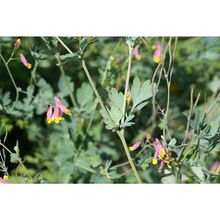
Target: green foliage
92,144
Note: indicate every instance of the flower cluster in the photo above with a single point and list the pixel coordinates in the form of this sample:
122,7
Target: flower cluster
157,53
54,113
163,154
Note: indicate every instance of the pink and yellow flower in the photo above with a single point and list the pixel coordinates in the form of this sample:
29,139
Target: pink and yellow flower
54,113
24,61
4,180
135,146
61,106
159,151
136,53
17,43
157,53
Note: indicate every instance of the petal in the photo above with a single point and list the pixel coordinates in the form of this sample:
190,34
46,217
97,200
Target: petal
154,161
61,106
50,114
135,146
24,61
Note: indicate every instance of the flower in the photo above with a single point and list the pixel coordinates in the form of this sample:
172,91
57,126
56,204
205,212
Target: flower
135,146
164,155
57,115
62,107
136,53
148,137
4,180
24,61
159,151
157,53
54,113
188,136
50,114
17,43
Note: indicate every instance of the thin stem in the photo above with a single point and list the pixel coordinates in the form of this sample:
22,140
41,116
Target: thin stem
5,148
12,79
64,45
121,136
20,162
66,81
127,82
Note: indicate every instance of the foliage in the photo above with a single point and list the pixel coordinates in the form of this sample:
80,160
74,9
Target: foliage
111,100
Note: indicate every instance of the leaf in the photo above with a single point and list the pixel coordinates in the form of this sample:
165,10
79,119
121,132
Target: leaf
116,98
197,170
15,157
85,43
132,41
127,122
140,93
116,115
172,142
84,95
195,122
6,99
135,88
65,85
109,123
68,57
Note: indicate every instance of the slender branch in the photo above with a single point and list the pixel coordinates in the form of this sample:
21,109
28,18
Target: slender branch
127,82
66,81
121,136
12,79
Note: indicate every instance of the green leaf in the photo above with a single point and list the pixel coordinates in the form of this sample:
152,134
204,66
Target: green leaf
65,85
195,122
84,95
116,115
127,122
140,93
172,142
85,43
6,98
116,98
132,41
109,123
197,170
68,57
135,88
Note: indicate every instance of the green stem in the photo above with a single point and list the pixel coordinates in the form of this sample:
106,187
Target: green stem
121,136
106,112
66,81
5,148
127,81
20,162
12,79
